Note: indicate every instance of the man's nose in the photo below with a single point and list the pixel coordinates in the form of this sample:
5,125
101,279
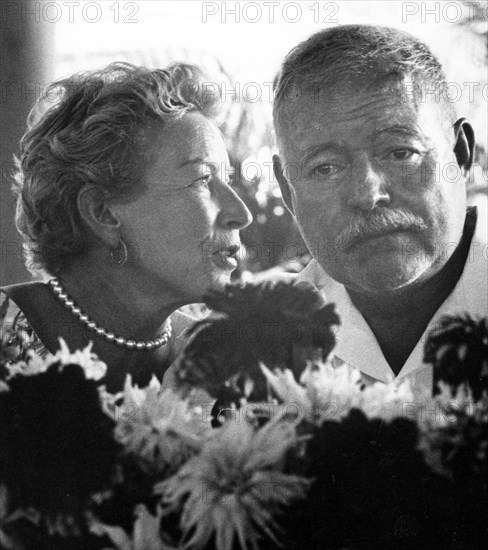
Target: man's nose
233,214
368,189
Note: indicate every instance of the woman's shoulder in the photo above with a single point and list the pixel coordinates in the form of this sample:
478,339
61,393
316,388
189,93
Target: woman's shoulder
181,322
184,318
22,296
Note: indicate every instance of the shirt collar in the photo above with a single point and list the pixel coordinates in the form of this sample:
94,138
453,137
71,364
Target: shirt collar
356,343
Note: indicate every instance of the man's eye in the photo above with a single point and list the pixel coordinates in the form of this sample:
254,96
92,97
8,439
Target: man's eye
326,170
404,154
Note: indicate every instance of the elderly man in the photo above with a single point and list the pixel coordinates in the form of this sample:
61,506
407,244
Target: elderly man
373,163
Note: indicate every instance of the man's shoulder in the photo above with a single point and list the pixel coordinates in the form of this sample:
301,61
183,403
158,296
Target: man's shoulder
472,288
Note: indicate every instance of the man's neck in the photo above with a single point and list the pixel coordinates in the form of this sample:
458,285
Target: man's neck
399,320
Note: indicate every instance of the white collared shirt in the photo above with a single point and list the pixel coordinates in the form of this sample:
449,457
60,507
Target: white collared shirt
356,344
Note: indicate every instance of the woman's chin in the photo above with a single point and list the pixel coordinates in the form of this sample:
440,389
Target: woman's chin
217,279
222,278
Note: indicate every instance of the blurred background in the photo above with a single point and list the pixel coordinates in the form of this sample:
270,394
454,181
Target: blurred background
240,45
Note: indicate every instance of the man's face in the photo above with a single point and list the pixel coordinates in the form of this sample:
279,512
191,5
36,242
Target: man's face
374,185
183,230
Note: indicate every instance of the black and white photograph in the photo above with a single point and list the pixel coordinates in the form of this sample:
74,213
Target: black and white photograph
243,275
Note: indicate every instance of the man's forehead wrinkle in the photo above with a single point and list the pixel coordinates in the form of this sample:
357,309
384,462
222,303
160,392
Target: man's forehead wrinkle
312,122
366,103
320,138
382,117
413,130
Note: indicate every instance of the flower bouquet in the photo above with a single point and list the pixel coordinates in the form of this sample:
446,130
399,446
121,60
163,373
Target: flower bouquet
266,443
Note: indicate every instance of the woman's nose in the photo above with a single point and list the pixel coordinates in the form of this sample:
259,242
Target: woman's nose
369,186
234,214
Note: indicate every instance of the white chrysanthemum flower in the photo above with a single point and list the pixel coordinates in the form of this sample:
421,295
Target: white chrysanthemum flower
159,426
333,391
88,361
289,391
324,392
34,365
445,408
386,401
463,400
145,534
329,393
235,487
92,366
109,401
450,430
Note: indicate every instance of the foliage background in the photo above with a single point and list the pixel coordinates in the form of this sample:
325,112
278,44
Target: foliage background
237,54
242,53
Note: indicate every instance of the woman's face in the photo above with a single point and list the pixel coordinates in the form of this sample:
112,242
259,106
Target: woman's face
182,232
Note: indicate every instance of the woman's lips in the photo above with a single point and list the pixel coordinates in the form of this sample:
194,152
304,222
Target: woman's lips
226,256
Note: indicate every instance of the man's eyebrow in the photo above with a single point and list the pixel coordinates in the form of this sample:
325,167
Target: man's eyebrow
400,130
310,152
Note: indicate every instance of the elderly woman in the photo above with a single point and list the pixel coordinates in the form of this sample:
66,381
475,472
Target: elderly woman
125,206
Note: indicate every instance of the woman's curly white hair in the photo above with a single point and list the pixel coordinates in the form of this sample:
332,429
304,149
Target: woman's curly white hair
94,133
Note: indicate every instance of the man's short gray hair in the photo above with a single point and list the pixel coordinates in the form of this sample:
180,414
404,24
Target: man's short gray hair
357,54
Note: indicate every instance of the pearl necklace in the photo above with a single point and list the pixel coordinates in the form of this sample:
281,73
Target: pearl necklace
63,297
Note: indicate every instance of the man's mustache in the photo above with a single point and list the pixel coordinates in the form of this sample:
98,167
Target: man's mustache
376,224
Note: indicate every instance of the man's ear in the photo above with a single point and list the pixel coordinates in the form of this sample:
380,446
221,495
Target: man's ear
97,215
464,144
284,184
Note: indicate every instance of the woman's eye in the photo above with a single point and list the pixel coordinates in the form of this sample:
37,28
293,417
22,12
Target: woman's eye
202,181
